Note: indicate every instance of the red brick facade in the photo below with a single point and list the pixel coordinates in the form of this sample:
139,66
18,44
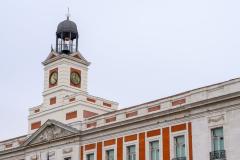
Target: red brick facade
71,115
91,100
141,140
155,108
93,124
131,114
35,125
87,114
179,102
111,119
53,100
107,104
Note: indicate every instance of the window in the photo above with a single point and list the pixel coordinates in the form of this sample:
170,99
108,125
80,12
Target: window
110,154
217,139
131,152
154,150
90,156
179,146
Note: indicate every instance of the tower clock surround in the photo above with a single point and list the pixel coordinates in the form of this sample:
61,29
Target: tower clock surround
75,77
53,77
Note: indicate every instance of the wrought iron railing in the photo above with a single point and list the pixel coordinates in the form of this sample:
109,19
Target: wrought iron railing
179,158
66,47
218,155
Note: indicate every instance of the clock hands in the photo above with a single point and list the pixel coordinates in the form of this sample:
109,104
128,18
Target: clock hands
53,78
75,78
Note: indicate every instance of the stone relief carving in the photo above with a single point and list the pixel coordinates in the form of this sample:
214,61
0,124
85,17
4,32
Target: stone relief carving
216,119
67,150
50,133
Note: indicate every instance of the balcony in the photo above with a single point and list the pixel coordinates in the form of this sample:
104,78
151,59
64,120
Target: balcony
218,155
179,158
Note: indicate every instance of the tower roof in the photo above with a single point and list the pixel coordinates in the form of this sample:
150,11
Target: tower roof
67,26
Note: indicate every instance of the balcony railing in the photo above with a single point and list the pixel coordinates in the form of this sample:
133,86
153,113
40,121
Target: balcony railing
179,158
218,155
66,47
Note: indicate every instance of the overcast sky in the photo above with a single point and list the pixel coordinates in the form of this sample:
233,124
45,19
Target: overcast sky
140,50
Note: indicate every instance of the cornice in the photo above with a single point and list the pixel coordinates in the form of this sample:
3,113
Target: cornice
184,108
61,56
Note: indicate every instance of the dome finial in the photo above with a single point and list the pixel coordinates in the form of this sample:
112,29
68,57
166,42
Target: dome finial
68,14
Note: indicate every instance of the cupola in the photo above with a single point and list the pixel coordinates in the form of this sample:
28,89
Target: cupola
67,37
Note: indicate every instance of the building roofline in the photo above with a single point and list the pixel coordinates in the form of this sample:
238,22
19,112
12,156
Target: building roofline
11,139
165,98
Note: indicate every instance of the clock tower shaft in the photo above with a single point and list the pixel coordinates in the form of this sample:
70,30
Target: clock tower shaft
65,95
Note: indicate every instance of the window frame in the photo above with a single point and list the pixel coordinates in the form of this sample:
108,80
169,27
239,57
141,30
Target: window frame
176,148
212,125
172,149
211,138
127,144
110,147
147,146
92,151
110,150
128,150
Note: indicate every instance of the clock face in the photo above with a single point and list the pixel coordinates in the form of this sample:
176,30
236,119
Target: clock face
53,78
75,78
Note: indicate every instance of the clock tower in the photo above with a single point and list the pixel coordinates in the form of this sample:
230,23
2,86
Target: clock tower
65,95
65,69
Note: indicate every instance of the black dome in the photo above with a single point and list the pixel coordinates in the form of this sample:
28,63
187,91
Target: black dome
67,26
67,37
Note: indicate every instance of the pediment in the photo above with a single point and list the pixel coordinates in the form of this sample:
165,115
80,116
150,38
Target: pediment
76,56
51,55
50,131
